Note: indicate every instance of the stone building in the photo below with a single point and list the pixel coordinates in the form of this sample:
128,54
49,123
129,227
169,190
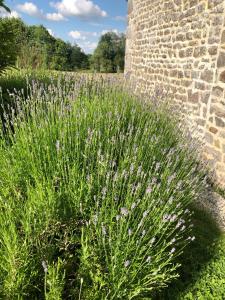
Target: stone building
180,45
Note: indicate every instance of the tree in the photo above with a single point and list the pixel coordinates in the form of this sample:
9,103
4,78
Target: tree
33,47
9,47
120,53
60,56
78,59
109,54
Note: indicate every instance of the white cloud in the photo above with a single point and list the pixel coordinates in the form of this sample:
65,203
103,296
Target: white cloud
30,9
51,32
77,35
5,14
14,14
82,35
120,18
110,30
79,8
88,47
55,17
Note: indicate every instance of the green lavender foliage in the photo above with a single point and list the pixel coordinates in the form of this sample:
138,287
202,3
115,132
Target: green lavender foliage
54,280
94,193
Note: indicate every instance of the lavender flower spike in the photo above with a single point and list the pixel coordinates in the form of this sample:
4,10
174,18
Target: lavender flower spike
124,211
148,190
103,230
118,217
44,265
133,205
148,259
172,250
126,263
57,145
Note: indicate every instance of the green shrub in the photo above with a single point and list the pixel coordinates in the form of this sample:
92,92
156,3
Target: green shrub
97,189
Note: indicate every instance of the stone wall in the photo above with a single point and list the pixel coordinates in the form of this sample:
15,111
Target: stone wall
180,45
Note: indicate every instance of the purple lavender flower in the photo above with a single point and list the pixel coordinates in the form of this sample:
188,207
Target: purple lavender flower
179,185
139,170
118,217
180,222
104,190
171,200
183,227
173,218
143,233
157,166
103,230
154,180
95,219
133,206
172,250
148,259
140,224
57,145
44,265
124,211
126,263
171,178
166,218
148,190
145,213
131,168
152,241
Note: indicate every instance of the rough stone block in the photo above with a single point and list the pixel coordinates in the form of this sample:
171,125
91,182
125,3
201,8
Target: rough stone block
221,60
220,122
213,130
207,75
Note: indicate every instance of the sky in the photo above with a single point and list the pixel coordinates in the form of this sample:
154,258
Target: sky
77,21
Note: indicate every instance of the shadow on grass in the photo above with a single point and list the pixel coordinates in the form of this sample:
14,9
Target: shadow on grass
195,257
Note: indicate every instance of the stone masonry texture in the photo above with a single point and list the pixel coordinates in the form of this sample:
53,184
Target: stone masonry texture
179,45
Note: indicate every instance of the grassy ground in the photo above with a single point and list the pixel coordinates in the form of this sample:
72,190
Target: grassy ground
203,265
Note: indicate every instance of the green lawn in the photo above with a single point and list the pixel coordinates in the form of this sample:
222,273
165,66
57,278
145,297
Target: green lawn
203,271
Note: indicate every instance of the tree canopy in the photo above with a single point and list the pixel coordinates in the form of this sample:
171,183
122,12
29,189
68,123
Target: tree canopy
8,47
109,54
34,47
42,50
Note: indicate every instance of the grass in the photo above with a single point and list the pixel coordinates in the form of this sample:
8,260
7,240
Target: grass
203,264
95,204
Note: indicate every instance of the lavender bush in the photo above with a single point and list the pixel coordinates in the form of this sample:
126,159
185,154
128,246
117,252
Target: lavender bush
94,194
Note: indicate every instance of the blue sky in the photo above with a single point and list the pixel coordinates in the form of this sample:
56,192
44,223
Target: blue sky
77,21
